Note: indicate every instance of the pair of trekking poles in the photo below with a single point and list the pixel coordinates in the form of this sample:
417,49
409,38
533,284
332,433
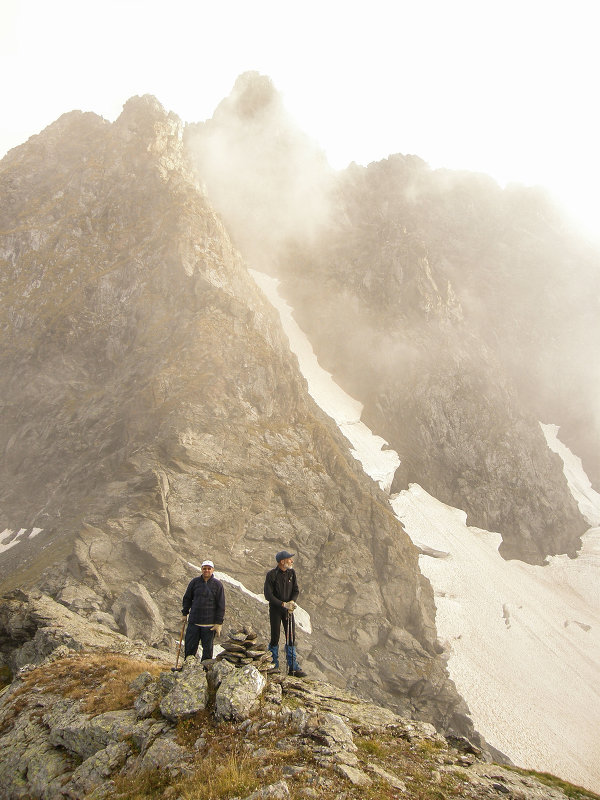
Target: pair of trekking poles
290,639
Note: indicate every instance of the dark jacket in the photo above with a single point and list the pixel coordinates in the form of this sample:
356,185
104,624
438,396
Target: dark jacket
280,586
205,601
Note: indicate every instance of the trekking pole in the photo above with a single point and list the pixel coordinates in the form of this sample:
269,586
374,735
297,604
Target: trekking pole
290,640
174,669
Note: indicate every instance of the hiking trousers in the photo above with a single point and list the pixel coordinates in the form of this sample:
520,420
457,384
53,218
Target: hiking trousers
277,617
196,634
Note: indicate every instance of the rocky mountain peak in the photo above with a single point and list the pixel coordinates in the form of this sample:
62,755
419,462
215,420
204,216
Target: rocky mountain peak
153,415
253,96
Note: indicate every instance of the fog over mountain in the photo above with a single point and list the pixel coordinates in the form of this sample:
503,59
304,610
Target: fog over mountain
458,313
153,413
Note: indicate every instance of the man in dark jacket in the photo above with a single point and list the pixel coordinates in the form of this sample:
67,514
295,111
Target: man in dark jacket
204,601
281,591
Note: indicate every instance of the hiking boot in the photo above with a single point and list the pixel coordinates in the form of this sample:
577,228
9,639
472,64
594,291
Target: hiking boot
298,673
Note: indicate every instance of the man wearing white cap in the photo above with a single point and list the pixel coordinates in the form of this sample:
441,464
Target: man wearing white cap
204,601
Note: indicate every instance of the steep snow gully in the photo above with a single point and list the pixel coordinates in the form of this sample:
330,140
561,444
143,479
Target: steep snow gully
523,641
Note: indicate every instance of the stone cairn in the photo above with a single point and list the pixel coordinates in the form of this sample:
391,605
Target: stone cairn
242,647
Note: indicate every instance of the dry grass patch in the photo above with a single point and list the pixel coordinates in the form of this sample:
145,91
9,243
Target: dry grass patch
221,775
370,746
232,775
223,769
101,680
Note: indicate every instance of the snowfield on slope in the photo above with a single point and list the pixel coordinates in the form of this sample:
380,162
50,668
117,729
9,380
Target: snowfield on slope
345,410
523,642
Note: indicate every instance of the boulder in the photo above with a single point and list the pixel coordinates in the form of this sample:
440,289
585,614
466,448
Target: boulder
189,694
333,732
393,780
239,693
29,764
148,700
217,673
137,614
276,791
356,776
102,618
85,736
162,754
98,768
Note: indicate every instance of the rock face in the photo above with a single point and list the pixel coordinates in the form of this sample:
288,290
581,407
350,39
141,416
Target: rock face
34,627
152,416
445,395
435,299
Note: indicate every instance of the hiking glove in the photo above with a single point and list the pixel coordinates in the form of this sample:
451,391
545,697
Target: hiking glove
217,630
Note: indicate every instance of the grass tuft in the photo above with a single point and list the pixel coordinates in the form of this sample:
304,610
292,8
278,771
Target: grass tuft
371,747
224,771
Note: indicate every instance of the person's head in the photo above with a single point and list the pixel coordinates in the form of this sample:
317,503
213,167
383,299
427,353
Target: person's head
284,560
207,568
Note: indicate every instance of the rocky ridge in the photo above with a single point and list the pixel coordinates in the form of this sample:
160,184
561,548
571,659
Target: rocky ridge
152,415
99,726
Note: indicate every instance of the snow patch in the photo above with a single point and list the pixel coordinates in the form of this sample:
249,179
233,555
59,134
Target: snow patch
8,537
523,640
367,448
587,499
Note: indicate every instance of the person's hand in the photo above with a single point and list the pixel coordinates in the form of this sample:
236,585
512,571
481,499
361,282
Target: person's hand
217,630
290,606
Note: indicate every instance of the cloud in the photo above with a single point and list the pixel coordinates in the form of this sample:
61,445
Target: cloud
268,180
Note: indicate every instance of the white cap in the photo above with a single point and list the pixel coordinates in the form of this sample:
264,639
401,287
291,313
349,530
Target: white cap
207,564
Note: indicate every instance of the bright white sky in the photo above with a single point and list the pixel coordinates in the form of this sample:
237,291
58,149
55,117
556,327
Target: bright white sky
507,88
